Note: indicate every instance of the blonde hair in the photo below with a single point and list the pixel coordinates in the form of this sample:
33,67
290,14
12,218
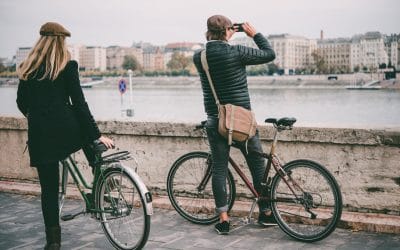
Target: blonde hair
49,51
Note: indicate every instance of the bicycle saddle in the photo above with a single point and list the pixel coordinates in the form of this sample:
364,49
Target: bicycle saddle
98,147
285,121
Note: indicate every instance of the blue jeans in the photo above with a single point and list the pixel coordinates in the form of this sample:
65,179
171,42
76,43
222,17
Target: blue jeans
220,156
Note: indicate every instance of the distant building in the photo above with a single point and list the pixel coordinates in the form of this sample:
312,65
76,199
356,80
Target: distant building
186,48
22,53
93,58
243,40
153,59
392,49
292,52
398,57
75,50
336,53
368,50
361,51
365,51
116,55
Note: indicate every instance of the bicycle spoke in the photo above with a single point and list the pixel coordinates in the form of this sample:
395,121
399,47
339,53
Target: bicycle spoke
307,203
123,215
189,188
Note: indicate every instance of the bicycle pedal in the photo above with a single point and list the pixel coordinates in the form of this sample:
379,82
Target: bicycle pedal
68,217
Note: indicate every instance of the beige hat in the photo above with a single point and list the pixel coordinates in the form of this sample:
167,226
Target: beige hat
218,23
53,29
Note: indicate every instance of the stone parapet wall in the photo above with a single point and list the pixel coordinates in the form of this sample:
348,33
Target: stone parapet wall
366,163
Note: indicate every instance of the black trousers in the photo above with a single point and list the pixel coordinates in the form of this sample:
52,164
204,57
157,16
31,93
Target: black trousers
49,183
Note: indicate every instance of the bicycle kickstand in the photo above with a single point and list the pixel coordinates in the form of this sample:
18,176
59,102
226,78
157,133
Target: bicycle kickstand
249,219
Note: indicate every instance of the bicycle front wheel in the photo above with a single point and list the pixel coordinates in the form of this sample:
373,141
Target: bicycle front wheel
122,212
189,188
307,202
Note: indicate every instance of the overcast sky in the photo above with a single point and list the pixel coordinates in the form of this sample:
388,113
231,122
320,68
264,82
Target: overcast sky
120,22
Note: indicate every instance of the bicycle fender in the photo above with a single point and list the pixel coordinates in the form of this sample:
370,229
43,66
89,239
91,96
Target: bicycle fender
142,188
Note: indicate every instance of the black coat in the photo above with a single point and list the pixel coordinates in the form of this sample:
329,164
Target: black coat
227,66
59,119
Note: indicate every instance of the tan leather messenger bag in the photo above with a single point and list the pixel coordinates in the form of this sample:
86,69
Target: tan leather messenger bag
235,123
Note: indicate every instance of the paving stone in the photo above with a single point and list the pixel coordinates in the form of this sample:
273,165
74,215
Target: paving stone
21,227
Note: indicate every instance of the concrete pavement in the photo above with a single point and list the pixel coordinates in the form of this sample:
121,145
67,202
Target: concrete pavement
21,227
369,222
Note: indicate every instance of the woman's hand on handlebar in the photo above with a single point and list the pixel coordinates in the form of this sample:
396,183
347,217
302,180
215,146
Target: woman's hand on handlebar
107,141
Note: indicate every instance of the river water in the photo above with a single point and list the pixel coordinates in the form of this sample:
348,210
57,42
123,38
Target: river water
338,107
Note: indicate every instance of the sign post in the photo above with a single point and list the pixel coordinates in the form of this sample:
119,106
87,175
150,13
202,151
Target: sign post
122,90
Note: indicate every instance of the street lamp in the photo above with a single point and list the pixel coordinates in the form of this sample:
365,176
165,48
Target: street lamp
129,111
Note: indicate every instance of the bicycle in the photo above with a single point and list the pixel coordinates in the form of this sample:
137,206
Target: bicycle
305,198
117,198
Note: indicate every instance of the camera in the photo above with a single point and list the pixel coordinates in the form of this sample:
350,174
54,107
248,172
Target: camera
239,27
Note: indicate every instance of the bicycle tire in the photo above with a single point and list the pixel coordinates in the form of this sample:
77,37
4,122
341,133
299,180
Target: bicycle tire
316,189
122,215
183,181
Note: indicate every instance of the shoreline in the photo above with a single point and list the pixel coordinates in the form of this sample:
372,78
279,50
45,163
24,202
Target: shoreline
254,82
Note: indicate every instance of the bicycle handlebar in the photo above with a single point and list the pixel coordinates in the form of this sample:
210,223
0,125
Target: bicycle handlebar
201,125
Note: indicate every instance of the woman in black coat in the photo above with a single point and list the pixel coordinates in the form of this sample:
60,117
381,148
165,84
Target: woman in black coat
59,120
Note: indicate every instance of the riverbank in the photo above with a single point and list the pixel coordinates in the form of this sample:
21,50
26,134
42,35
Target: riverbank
255,82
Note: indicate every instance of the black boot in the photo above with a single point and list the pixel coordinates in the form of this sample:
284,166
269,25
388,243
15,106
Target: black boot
53,238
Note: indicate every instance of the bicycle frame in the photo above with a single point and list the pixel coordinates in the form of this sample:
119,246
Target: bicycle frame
69,166
272,160
266,179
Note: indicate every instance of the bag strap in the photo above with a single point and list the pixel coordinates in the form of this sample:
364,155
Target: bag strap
230,134
206,69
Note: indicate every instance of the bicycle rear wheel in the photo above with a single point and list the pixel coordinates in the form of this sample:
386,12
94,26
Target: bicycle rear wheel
307,203
193,201
123,216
